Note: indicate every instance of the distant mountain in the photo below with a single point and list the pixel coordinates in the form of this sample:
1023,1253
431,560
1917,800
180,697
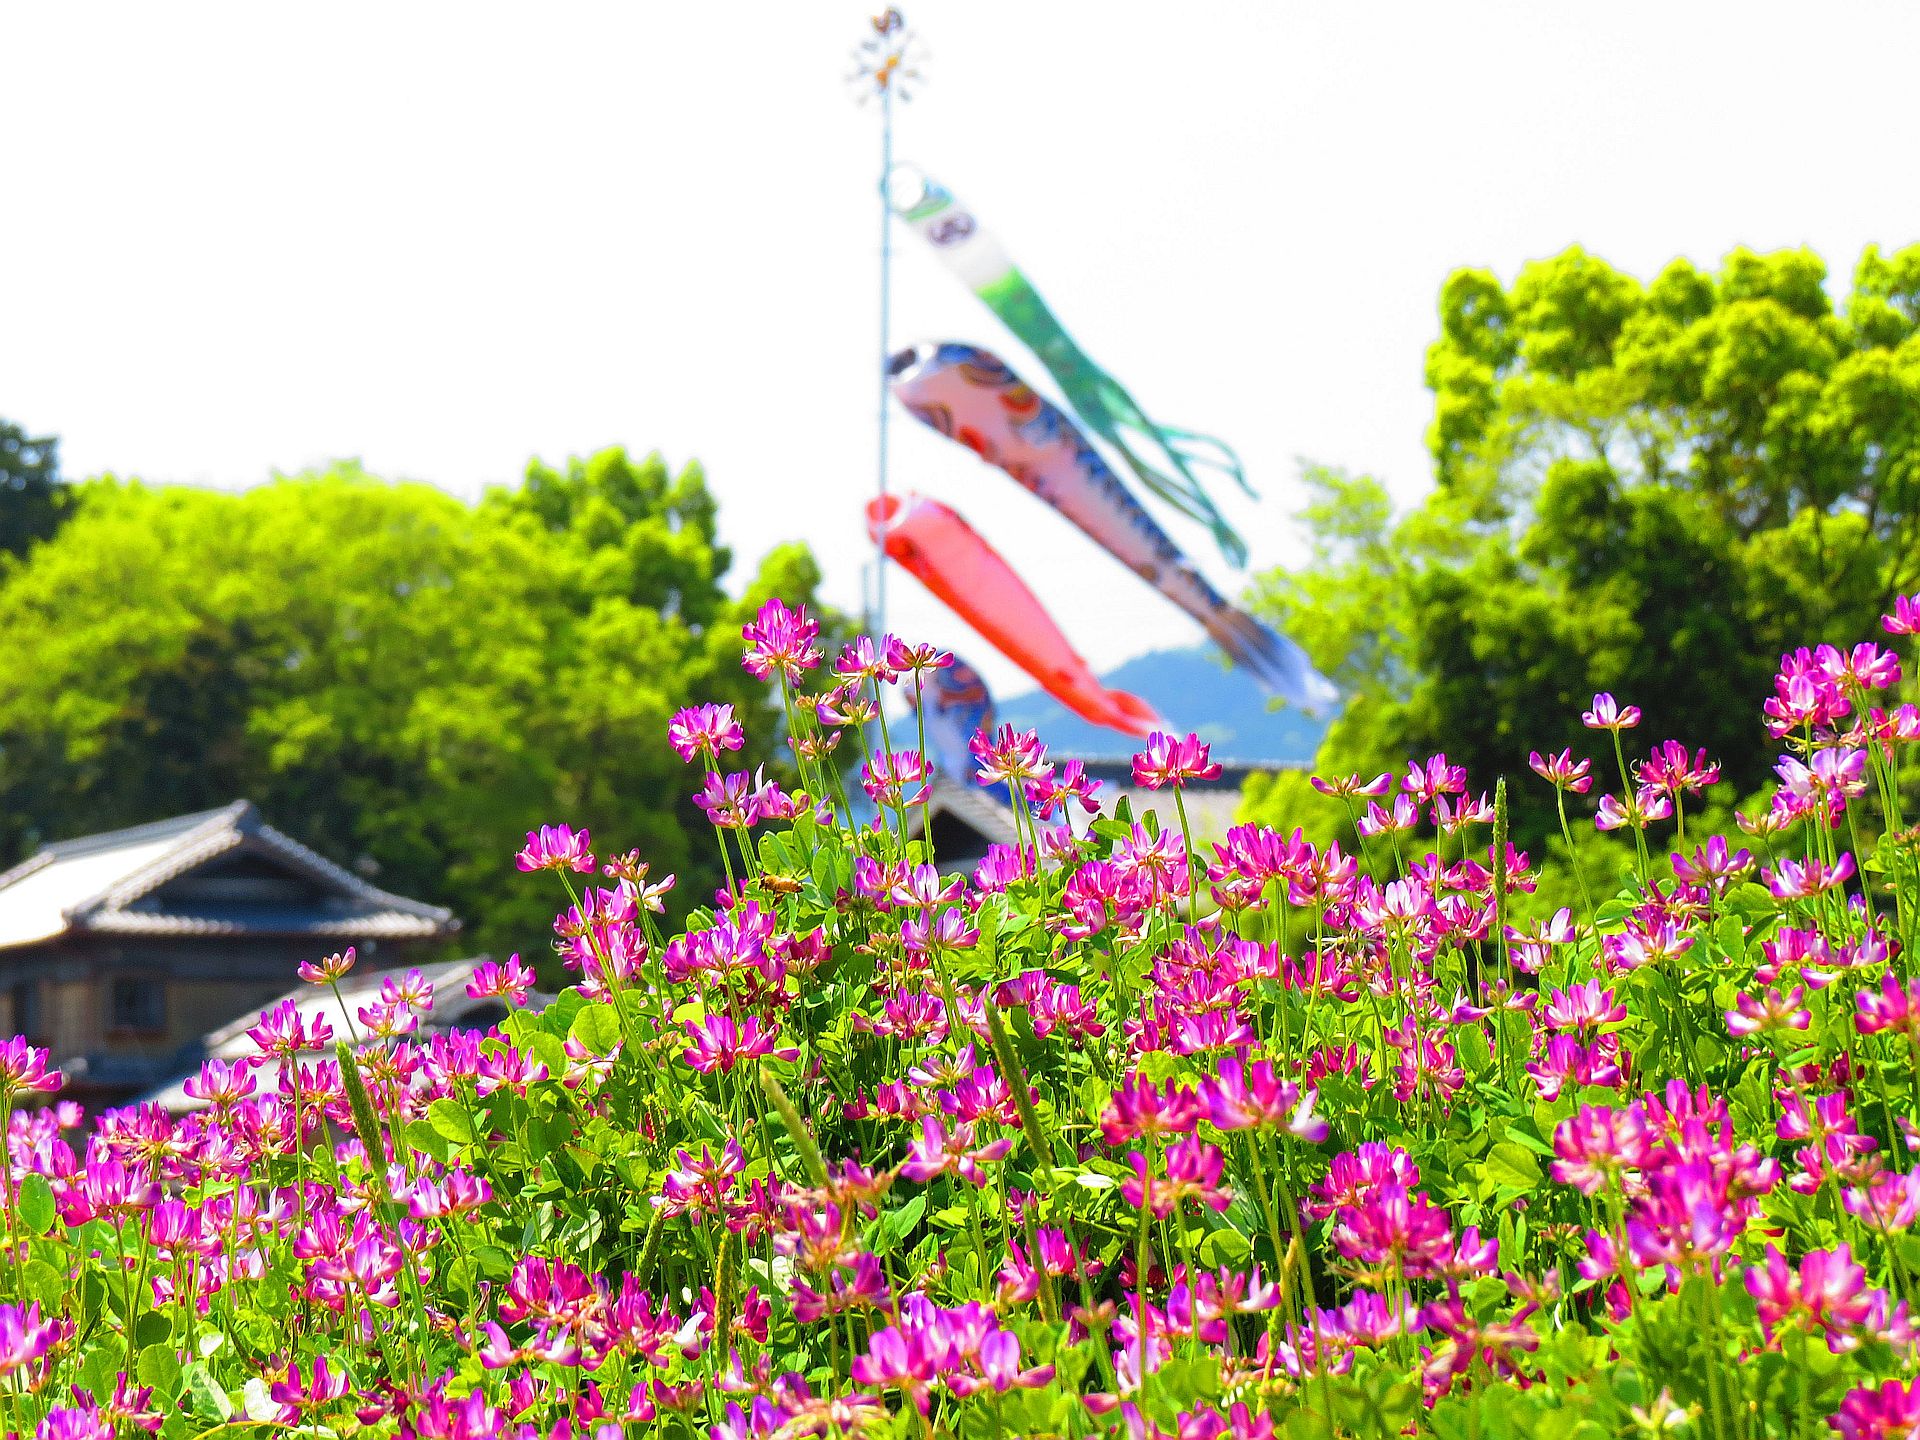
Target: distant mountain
1195,690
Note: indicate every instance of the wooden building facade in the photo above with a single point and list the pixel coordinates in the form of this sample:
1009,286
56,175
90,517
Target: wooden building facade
119,952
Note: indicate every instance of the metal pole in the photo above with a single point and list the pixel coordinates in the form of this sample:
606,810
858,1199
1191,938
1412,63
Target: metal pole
886,307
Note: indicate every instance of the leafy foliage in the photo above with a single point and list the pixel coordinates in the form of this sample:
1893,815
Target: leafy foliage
388,672
1651,490
31,498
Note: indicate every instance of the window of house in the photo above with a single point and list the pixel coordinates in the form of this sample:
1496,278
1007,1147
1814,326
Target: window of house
138,1003
26,1016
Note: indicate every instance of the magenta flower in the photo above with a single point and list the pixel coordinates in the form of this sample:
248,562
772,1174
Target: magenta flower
220,1084
1889,1411
1904,618
1608,714
1140,1107
1640,810
556,847
1253,1097
1425,781
23,1067
1669,770
24,1337
1792,880
283,1031
1343,787
727,800
864,662
1009,757
1597,1146
511,981
304,1391
1769,1013
1167,761
1193,1172
1562,771
703,731
1064,790
1891,1007
454,1193
1713,866
718,1044
74,1422
898,780
325,972
780,640
938,1151
916,660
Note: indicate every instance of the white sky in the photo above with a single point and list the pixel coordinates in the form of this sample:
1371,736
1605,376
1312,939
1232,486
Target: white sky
239,239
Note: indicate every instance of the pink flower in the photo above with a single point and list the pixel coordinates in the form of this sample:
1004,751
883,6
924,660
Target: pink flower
283,1031
511,981
1904,618
1770,1013
1060,791
1597,1146
940,1152
1253,1097
1167,761
705,730
1890,1411
862,661
1193,1172
556,847
304,1391
1669,770
24,1336
326,971
896,780
1791,880
1562,771
1140,1107
782,640
916,660
1713,866
718,1044
727,800
1436,777
1608,714
1009,757
1892,1007
1345,786
23,1067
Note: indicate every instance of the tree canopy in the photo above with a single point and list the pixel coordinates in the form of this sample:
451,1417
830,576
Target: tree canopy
31,496
1649,489
397,678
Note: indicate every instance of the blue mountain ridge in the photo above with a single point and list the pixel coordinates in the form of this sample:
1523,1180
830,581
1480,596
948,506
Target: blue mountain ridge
1194,689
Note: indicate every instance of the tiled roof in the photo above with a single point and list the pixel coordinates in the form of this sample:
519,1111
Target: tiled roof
104,883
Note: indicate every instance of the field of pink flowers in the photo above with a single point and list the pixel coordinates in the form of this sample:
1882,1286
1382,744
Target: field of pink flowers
1102,1138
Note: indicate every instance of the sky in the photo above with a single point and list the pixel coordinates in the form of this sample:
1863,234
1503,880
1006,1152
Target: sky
444,239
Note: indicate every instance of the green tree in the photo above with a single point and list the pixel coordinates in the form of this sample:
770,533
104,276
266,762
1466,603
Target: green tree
1652,490
32,499
388,672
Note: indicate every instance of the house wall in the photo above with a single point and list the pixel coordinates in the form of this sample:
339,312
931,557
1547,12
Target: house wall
203,983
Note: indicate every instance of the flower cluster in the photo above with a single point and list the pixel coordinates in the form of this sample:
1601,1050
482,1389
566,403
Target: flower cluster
1107,1131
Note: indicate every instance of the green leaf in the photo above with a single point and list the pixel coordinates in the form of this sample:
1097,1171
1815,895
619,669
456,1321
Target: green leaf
1512,1165
204,1395
160,1368
597,1027
450,1118
37,1212
423,1137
